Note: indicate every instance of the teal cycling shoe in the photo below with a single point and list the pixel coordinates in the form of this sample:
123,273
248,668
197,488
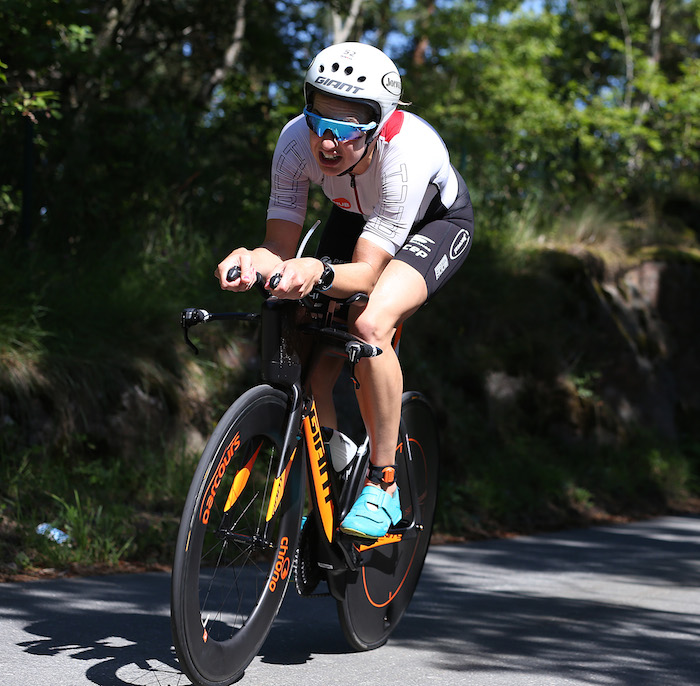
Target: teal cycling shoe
373,513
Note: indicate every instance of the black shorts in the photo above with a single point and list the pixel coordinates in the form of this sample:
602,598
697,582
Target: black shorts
436,246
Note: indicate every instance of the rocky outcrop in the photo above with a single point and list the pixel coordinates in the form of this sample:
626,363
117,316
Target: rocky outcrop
627,357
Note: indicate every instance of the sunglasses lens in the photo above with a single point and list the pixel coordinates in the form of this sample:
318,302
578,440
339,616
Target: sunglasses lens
341,131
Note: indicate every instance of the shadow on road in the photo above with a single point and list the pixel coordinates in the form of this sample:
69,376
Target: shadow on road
614,606
121,622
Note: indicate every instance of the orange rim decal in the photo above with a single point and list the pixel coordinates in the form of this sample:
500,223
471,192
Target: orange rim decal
384,541
240,480
217,474
391,595
278,489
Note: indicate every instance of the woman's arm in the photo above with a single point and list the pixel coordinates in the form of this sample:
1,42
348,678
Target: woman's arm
300,275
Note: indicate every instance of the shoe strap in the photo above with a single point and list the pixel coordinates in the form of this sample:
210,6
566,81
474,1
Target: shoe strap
382,475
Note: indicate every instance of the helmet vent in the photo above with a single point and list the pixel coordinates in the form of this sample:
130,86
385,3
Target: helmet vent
348,70
361,78
321,67
335,66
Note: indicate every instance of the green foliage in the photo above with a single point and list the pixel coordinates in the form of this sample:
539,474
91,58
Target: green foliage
141,139
574,99
571,100
26,104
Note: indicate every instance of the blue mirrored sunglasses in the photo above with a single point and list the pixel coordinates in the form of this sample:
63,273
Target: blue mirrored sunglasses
340,130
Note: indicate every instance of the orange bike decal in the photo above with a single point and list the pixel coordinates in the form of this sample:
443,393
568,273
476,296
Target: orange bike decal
283,565
319,471
215,481
397,337
393,595
240,480
278,489
384,540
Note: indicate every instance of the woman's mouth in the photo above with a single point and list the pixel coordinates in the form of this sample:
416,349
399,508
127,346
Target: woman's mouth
329,159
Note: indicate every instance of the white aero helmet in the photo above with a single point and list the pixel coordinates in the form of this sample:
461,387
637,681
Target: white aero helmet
359,72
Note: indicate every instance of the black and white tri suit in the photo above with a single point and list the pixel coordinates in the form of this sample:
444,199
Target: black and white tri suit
410,201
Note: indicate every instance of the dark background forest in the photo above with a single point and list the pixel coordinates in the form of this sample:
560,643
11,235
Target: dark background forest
135,144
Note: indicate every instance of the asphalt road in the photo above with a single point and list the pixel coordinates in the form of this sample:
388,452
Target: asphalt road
609,606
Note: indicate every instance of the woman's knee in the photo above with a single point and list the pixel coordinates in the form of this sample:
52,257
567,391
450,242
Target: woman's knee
400,291
374,325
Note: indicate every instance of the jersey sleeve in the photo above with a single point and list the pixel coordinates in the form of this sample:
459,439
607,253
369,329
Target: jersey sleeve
289,175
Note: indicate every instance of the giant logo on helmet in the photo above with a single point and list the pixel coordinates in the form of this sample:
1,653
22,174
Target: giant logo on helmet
338,85
392,82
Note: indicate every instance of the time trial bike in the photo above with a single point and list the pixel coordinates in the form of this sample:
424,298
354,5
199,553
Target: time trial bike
265,503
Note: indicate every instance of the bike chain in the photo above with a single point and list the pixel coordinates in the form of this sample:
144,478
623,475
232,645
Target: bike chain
300,591
307,574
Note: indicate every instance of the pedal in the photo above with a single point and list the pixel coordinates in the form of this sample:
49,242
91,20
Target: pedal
359,540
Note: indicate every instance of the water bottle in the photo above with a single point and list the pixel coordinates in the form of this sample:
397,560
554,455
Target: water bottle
53,533
341,448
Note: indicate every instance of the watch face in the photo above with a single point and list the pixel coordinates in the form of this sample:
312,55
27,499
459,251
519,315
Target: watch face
326,280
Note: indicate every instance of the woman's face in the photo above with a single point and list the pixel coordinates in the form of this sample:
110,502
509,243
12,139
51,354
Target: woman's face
334,157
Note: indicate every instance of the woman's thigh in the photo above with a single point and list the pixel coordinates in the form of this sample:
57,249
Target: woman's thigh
400,291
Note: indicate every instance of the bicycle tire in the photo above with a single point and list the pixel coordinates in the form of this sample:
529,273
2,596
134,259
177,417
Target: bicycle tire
230,569
376,597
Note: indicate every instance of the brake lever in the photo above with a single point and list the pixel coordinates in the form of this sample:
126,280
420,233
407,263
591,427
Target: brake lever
356,350
191,317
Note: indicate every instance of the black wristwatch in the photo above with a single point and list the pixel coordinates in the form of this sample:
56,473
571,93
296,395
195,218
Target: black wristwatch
326,280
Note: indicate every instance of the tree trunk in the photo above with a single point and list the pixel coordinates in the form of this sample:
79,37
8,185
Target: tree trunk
231,54
343,28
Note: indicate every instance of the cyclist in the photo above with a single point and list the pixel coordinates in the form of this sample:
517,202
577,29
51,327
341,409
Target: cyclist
400,226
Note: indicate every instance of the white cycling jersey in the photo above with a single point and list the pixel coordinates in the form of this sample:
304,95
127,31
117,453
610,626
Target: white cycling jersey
409,167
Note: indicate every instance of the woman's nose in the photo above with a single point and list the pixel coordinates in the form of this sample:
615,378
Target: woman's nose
328,140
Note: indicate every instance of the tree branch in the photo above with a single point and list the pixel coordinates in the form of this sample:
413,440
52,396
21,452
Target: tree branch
655,25
629,56
231,54
115,22
343,28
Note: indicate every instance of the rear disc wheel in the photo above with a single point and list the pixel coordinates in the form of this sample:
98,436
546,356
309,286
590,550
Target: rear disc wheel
376,597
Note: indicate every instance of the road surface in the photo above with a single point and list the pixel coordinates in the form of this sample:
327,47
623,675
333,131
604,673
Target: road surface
611,606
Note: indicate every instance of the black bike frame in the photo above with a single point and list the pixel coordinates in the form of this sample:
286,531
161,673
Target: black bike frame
330,500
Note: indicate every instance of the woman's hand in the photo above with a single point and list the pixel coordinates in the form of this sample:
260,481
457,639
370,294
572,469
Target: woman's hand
298,276
243,259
